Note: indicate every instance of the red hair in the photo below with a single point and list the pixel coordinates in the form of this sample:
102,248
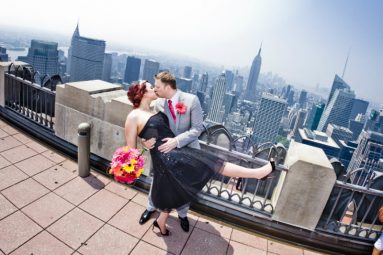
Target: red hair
135,93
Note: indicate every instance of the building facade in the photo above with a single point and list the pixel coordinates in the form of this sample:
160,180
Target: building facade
339,133
268,118
369,152
302,98
217,108
338,109
314,116
320,140
184,84
253,77
204,82
187,72
85,58
3,54
44,57
107,69
359,106
338,83
151,68
132,69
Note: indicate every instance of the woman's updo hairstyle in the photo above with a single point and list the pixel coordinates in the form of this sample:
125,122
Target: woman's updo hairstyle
135,93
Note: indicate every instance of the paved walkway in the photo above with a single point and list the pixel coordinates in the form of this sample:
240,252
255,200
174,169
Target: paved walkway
45,208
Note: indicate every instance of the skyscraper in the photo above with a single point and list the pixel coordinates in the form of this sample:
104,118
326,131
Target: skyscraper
217,108
268,118
229,101
356,127
287,91
184,84
187,72
337,110
107,68
339,133
253,77
290,98
358,106
3,54
314,116
204,82
238,84
369,152
195,82
301,116
132,70
302,98
229,80
201,96
85,58
375,121
44,57
338,83
151,68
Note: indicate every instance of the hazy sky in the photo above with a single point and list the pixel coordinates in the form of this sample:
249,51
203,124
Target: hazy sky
304,41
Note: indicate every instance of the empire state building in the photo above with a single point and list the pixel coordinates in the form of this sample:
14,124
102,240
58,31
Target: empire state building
253,77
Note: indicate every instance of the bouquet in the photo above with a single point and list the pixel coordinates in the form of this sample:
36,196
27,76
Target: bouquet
127,164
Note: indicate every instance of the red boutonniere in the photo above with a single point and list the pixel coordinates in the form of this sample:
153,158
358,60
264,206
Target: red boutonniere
181,108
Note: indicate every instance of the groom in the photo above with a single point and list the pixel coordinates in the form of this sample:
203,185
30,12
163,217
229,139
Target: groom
185,120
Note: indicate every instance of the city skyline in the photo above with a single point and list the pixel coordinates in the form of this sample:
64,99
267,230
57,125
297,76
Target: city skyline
304,42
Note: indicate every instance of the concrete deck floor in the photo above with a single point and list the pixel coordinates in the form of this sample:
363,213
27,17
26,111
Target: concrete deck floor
45,208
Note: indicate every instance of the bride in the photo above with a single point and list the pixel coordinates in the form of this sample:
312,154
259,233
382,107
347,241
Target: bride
181,173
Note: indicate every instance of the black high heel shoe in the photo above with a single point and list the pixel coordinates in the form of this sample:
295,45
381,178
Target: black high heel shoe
272,173
155,224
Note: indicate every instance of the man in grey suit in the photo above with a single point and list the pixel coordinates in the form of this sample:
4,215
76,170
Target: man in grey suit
185,120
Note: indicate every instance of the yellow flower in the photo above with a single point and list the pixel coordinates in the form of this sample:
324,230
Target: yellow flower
130,166
139,172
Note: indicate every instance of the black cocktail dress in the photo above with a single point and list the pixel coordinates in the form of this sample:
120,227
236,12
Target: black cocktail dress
180,174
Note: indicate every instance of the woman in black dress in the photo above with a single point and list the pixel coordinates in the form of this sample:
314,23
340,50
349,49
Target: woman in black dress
181,173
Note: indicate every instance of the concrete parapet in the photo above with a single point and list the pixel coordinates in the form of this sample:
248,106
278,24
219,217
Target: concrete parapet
302,193
103,105
89,97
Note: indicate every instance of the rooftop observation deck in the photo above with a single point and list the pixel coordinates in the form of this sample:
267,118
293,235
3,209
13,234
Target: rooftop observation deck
44,205
46,208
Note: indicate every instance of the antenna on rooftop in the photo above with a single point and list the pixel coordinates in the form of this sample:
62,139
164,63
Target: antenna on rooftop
345,65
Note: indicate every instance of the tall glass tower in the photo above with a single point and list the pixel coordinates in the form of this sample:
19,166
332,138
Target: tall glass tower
217,108
338,83
44,57
151,68
268,118
359,106
204,82
132,70
338,109
253,77
312,120
85,58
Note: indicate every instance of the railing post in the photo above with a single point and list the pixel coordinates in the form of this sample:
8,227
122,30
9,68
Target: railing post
83,149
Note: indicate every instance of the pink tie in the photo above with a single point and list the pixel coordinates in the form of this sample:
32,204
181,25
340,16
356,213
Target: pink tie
172,110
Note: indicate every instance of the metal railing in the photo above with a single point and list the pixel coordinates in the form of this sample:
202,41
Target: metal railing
243,194
24,96
352,209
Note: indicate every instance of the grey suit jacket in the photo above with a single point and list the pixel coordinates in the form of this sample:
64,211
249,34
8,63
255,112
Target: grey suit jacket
188,126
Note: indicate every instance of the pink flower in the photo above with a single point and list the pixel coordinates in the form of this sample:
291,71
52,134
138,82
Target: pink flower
181,108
